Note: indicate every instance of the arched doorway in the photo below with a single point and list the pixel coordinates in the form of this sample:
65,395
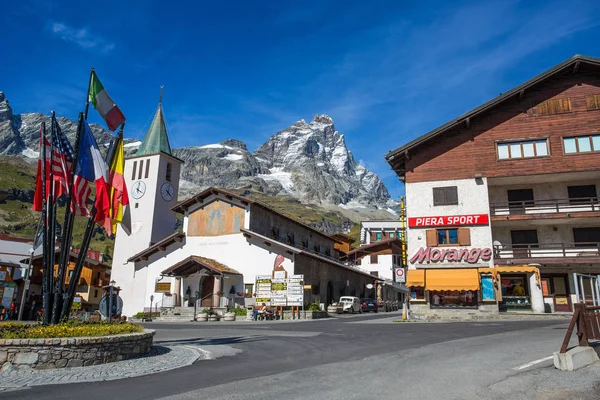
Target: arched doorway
329,293
207,284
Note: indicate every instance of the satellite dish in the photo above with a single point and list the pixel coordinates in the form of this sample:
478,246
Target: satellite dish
369,286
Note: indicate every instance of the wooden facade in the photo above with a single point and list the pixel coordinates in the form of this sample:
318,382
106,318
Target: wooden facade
464,152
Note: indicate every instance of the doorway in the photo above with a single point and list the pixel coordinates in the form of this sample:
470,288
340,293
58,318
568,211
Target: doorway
207,285
556,287
329,299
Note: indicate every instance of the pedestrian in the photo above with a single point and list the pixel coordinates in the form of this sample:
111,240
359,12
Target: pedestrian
11,310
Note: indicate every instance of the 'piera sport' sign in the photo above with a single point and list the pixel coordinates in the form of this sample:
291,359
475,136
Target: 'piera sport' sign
449,220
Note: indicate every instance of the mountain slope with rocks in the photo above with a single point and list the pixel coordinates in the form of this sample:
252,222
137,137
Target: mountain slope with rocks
306,164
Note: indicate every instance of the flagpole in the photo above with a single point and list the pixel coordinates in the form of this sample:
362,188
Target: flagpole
87,237
52,228
28,276
87,99
67,236
46,248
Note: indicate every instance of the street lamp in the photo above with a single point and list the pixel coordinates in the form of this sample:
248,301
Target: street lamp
151,300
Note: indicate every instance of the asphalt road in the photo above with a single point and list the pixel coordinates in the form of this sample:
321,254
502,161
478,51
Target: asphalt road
360,357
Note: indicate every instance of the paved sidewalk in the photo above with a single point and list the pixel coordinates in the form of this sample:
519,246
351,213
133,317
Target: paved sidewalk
160,359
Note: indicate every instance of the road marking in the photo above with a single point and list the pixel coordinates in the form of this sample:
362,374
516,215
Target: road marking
529,364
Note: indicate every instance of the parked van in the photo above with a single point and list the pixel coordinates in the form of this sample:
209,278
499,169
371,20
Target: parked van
350,304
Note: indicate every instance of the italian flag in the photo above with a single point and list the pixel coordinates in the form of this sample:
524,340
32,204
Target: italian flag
102,102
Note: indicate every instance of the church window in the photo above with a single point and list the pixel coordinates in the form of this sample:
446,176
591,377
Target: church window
147,168
169,167
141,169
134,168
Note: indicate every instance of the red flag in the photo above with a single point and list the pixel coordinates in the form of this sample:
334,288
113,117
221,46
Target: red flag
38,199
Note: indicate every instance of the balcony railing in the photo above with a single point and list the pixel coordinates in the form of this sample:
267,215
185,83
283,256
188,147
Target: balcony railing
547,250
545,206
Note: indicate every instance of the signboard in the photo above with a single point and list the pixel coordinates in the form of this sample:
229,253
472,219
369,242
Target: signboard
433,254
487,288
263,289
280,291
2,275
449,220
399,275
163,287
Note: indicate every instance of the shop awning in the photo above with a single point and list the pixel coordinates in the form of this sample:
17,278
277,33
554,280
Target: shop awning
490,271
519,269
452,279
415,277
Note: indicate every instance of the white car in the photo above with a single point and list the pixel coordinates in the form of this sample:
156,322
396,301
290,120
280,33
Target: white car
350,304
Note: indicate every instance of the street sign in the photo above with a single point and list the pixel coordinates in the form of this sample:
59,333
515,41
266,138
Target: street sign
117,305
400,275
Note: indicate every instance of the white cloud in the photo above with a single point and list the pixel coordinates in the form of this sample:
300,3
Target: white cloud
81,37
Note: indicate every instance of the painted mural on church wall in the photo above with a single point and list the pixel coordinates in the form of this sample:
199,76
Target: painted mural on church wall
215,219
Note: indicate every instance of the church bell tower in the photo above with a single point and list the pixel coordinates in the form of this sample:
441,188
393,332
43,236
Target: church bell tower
152,179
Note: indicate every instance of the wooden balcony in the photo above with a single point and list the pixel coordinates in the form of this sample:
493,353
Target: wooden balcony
547,253
545,209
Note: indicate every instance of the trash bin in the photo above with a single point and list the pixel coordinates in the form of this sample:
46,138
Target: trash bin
249,312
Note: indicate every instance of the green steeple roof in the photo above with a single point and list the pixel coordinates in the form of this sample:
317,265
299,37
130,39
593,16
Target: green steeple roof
156,139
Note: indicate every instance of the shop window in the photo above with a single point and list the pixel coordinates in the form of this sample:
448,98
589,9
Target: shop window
374,259
581,144
248,290
378,236
168,174
546,286
514,285
417,293
582,194
133,171
524,149
448,237
445,196
585,237
519,200
453,299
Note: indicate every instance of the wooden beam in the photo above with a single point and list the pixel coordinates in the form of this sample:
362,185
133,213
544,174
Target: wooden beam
576,67
468,122
407,155
162,248
521,94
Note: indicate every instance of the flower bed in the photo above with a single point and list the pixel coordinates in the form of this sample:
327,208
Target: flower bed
98,343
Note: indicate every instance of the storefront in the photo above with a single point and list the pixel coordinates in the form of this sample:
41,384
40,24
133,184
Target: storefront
520,287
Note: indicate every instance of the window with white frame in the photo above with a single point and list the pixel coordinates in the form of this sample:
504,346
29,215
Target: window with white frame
524,149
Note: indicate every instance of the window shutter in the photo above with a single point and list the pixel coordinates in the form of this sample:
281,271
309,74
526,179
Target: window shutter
374,259
464,237
592,102
554,106
438,196
431,236
452,195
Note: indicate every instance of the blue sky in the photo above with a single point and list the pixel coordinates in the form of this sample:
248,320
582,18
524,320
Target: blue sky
385,71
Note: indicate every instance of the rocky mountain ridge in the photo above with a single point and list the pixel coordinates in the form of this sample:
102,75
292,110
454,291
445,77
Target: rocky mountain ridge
307,161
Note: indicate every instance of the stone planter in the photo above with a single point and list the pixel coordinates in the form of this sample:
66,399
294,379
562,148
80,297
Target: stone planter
202,317
72,352
213,318
229,316
334,309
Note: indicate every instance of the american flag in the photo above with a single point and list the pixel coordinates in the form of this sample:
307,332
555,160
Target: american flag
62,162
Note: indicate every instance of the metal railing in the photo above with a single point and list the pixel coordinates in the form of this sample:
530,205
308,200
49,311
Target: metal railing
528,207
547,250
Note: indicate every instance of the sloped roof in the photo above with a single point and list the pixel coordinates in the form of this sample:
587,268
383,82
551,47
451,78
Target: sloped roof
156,139
396,158
194,264
374,248
158,246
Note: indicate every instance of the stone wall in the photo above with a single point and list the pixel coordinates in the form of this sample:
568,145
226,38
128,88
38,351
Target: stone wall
72,352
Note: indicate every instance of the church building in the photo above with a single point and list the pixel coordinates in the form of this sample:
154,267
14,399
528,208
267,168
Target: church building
227,241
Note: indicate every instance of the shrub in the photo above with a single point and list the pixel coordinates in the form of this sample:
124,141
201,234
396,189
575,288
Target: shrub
239,311
71,328
316,306
142,314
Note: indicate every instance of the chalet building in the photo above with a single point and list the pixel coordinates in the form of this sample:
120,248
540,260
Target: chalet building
227,241
502,201
94,275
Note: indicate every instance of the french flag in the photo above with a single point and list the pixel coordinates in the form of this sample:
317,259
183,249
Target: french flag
92,168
